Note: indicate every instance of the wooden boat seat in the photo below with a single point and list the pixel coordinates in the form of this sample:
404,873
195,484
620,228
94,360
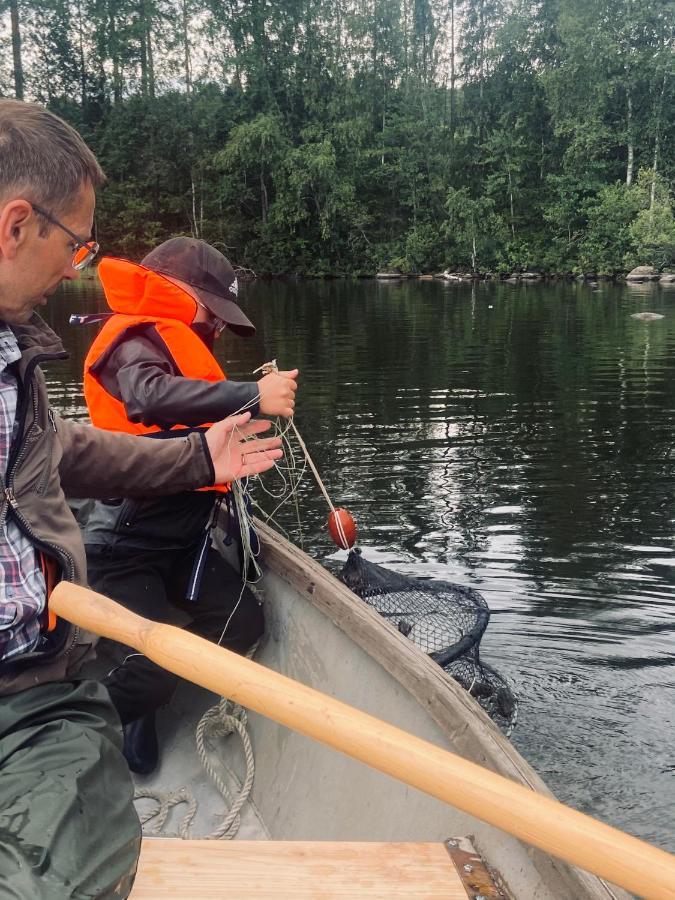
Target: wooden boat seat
242,870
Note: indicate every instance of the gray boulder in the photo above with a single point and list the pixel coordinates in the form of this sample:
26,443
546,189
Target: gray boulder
643,273
667,278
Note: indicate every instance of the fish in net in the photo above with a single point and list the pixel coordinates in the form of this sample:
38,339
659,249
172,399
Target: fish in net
445,620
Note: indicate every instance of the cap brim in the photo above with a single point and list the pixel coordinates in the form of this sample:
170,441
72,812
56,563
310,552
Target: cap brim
227,310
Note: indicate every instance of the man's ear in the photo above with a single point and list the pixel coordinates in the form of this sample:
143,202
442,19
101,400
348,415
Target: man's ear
16,217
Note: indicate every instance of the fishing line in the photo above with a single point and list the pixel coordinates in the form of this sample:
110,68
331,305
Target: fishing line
334,517
290,474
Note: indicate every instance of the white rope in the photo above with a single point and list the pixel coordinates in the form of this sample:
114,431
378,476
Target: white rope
250,559
310,463
220,720
164,802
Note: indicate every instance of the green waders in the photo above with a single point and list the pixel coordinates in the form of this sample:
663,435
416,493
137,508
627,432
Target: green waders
68,828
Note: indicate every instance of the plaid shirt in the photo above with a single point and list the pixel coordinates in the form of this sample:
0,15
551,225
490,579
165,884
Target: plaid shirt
22,584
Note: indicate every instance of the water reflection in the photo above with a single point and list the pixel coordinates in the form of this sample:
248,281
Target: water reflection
517,438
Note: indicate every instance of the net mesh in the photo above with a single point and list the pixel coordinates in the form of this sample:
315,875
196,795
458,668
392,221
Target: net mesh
445,620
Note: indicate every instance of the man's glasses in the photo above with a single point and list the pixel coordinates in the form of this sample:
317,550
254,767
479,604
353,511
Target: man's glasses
218,324
85,251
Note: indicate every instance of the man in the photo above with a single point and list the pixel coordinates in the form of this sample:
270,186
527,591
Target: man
67,823
151,371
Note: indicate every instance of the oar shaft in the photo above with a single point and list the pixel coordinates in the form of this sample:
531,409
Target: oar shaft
538,820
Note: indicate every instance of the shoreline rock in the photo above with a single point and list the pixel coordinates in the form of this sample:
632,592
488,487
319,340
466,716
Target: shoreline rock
390,275
643,273
531,276
640,274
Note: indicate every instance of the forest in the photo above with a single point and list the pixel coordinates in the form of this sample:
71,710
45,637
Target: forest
339,137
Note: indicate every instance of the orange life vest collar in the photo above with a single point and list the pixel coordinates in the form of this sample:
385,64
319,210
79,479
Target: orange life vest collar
133,290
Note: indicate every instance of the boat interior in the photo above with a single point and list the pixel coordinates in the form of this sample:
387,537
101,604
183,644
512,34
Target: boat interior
303,792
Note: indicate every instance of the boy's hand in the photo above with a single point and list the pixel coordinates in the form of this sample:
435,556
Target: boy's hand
235,457
277,393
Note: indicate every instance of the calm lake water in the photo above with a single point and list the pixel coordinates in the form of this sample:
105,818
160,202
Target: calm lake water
518,439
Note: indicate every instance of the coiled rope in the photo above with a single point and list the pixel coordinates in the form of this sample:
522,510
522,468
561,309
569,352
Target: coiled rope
219,721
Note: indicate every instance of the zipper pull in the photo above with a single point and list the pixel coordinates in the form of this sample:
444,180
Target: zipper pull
11,499
52,418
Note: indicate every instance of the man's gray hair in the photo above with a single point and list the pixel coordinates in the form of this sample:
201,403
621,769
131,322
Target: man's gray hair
42,159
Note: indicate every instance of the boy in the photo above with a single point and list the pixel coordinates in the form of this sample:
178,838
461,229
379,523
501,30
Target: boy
151,371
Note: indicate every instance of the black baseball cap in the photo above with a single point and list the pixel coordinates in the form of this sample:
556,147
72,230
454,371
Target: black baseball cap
210,275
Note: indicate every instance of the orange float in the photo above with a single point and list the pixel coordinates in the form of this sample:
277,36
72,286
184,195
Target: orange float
342,528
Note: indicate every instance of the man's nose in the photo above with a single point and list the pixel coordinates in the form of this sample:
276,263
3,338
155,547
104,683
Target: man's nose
70,274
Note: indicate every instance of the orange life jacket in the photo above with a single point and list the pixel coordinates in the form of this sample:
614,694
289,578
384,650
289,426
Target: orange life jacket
138,296
52,575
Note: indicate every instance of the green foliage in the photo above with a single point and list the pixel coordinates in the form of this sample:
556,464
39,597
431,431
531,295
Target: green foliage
334,138
607,239
424,246
652,231
475,230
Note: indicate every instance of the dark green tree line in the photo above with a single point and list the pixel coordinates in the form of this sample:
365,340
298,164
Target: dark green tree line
339,137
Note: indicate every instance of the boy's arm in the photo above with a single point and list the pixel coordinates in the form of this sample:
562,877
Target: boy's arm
140,375
153,394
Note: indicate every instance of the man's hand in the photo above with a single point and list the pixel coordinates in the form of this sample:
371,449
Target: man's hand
235,457
277,393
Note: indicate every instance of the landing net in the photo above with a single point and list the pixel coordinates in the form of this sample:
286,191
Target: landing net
445,620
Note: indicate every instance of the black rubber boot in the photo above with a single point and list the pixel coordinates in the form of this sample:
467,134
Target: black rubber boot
141,749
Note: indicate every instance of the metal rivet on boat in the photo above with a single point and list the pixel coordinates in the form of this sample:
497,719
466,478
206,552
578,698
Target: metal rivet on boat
468,868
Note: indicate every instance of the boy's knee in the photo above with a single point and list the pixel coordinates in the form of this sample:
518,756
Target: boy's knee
246,626
257,623
236,629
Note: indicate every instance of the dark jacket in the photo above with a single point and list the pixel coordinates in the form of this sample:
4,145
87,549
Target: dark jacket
51,458
138,370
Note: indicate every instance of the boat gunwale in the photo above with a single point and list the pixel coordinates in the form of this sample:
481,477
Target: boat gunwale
413,669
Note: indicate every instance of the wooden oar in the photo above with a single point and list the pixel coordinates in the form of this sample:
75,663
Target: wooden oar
553,827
